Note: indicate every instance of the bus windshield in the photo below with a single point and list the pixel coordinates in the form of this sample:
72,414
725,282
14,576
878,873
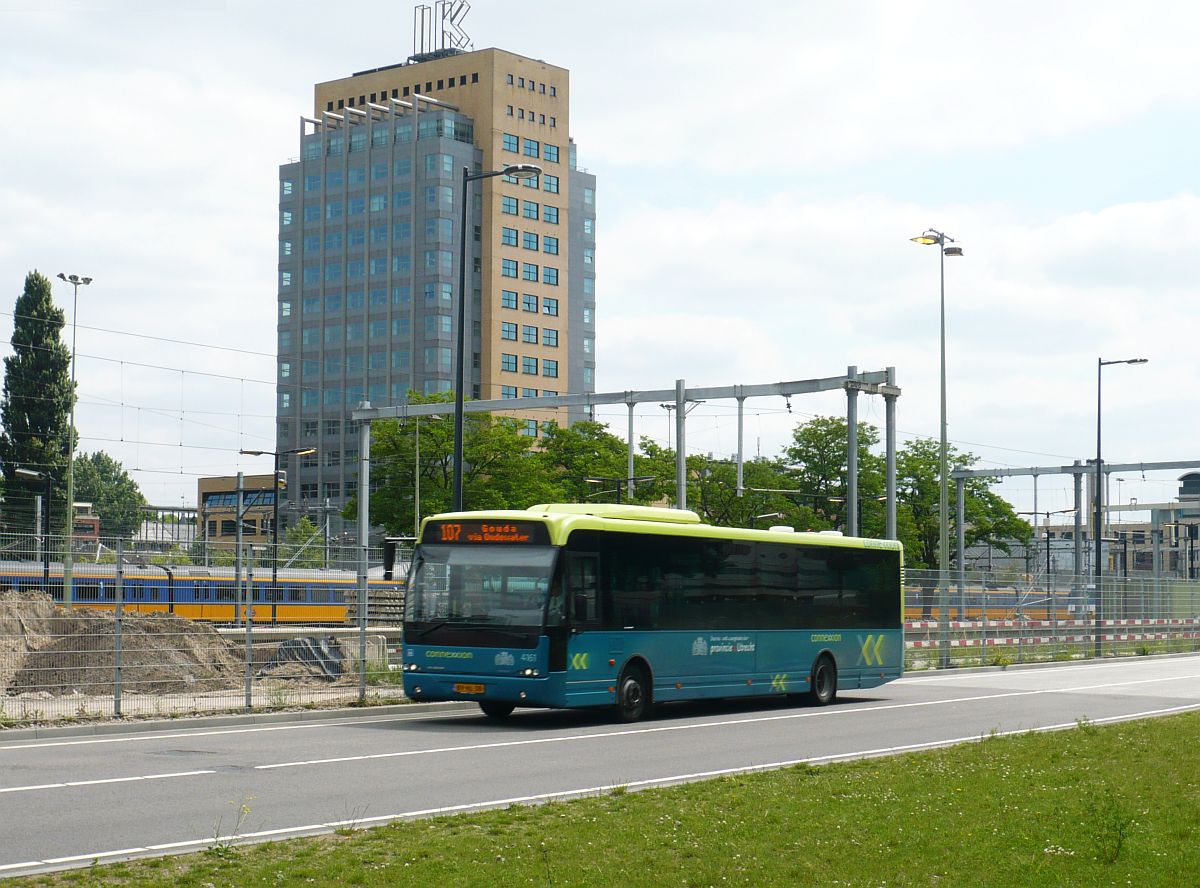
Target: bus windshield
479,586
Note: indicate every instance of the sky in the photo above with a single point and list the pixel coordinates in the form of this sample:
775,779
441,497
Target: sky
760,172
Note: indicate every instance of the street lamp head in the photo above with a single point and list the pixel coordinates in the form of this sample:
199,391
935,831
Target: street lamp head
522,170
253,452
307,451
931,236
952,251
30,473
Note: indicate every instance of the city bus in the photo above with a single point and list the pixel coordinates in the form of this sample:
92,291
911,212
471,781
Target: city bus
621,606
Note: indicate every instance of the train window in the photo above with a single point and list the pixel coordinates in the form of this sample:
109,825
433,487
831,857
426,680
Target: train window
295,593
226,593
87,592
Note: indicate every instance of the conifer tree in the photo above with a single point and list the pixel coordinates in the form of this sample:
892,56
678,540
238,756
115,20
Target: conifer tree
34,411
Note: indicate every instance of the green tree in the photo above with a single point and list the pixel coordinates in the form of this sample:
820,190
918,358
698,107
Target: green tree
712,493
817,455
989,518
115,497
303,545
37,401
572,454
501,470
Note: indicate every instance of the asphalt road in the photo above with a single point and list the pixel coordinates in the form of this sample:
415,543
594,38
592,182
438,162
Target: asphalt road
66,802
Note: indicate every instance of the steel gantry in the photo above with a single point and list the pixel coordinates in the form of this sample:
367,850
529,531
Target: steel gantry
854,383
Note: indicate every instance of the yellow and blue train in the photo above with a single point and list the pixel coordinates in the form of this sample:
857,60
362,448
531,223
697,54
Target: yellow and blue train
209,594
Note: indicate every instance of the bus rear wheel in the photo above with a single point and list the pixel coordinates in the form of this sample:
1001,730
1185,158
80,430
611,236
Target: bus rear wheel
822,686
633,694
496,709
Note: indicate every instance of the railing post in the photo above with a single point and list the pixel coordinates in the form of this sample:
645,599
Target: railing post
364,529
249,562
117,613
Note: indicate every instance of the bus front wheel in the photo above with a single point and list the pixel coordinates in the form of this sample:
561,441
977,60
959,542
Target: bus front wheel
822,686
633,694
496,709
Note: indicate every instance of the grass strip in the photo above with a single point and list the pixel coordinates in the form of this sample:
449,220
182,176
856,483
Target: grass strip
1113,805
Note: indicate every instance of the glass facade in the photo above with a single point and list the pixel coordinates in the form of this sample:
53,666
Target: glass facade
369,257
351,271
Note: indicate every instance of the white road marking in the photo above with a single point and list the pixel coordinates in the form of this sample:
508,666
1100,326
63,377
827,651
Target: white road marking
935,676
660,729
70,783
217,732
359,823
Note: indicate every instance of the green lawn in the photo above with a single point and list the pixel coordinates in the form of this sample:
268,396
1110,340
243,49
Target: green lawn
1115,805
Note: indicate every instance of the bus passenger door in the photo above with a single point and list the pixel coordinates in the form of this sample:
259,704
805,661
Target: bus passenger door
585,651
583,592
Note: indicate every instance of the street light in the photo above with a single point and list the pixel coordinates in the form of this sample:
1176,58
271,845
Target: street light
757,518
630,481
69,559
516,171
417,477
859,502
1047,513
928,238
299,451
1099,498
42,476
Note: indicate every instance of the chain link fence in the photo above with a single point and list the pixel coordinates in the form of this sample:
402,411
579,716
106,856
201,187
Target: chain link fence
166,631
999,618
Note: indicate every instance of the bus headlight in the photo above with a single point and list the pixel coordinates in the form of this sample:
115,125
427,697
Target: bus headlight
529,673
411,667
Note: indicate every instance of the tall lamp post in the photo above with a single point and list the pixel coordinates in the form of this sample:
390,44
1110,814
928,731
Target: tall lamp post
930,237
1098,568
299,451
417,475
517,171
69,558
43,476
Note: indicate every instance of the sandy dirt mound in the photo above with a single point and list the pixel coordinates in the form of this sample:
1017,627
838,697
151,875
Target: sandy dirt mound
27,622
161,654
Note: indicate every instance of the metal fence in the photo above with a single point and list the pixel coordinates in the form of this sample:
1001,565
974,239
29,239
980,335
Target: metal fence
171,632
155,633
998,618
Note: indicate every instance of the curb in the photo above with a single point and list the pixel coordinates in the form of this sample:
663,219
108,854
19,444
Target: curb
1043,664
112,727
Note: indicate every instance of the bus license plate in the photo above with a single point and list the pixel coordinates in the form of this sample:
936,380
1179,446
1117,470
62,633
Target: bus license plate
468,688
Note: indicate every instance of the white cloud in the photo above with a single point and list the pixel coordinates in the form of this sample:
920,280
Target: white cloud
801,87
145,141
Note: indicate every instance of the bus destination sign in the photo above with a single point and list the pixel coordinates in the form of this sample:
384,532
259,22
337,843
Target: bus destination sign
492,532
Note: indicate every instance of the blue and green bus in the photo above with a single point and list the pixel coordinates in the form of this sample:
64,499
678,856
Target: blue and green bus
569,605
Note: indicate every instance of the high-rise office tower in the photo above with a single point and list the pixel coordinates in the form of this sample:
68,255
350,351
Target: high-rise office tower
369,247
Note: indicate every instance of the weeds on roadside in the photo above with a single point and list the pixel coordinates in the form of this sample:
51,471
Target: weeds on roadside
222,846
1110,823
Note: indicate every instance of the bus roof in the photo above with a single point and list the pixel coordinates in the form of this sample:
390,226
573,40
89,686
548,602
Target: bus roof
562,518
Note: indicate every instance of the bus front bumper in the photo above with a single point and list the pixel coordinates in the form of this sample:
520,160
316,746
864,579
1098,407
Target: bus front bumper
545,690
